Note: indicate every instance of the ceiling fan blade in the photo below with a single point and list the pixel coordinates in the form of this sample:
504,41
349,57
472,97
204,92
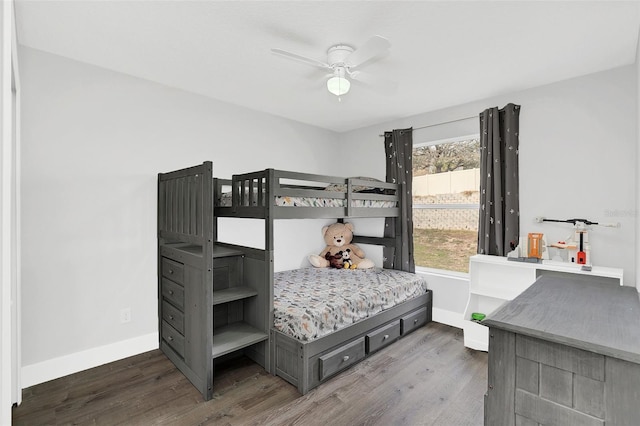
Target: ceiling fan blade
375,46
300,58
379,84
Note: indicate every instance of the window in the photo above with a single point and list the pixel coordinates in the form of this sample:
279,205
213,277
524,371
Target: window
446,182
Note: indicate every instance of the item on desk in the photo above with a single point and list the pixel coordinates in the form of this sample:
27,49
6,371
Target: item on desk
581,256
532,248
577,222
563,245
535,245
477,316
577,247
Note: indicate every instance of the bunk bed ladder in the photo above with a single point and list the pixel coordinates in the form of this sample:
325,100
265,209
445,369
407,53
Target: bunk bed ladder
185,271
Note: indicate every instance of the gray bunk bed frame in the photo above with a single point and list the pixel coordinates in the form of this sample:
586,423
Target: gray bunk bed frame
193,264
308,364
213,298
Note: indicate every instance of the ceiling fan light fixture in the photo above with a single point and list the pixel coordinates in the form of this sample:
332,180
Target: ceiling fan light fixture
338,85
342,60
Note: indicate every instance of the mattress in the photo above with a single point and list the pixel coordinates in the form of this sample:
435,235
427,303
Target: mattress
329,202
310,303
225,201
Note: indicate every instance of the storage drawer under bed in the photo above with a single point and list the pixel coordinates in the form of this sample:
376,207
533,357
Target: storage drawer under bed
341,358
383,336
413,320
308,364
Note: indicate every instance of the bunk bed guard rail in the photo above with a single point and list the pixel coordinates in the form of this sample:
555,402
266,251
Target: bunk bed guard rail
257,190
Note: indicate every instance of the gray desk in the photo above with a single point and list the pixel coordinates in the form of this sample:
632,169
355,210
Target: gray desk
565,352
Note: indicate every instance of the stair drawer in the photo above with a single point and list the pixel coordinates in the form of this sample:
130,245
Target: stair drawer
172,292
411,321
383,336
173,270
341,358
173,316
173,338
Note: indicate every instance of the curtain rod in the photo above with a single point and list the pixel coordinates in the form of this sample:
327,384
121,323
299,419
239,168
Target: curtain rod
440,124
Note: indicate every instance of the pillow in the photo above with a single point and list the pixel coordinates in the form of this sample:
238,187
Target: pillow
342,187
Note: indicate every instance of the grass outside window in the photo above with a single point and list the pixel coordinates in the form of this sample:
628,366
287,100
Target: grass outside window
444,249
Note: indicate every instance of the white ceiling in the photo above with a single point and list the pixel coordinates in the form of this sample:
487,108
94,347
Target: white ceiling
443,53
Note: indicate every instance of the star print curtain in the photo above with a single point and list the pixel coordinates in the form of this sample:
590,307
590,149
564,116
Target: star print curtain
499,226
398,146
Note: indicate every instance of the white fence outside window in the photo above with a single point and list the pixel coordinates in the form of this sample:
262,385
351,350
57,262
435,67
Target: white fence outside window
446,200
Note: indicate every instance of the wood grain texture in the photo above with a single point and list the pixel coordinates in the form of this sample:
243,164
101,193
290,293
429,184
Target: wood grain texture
571,311
575,330
427,378
578,361
500,409
527,375
588,395
556,385
548,413
622,392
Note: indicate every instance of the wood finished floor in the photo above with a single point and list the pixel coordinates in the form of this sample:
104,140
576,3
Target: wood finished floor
427,378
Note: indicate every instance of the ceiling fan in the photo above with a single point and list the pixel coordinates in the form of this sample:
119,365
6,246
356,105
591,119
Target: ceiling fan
342,61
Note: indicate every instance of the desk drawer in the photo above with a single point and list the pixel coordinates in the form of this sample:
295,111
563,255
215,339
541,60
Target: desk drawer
411,321
172,292
173,316
383,336
173,338
173,270
341,358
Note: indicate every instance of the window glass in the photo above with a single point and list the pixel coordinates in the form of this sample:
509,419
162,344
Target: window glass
445,203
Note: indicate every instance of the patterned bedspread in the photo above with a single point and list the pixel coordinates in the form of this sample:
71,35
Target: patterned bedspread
225,201
312,302
329,202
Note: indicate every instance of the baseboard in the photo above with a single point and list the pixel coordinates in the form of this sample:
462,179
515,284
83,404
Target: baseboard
63,366
84,360
444,316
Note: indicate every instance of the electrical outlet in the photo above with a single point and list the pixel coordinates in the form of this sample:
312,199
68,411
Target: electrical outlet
125,315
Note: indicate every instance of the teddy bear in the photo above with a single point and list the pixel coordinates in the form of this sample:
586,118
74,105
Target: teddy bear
338,238
335,261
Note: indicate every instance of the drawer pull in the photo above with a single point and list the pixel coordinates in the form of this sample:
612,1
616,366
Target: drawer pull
170,338
171,317
415,321
171,292
386,336
345,358
170,271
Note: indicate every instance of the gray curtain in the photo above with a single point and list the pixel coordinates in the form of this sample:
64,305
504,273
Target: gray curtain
499,226
398,145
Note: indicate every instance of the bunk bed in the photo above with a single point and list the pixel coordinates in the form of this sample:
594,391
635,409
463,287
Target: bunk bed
245,317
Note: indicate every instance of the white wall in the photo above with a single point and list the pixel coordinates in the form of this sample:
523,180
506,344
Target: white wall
578,148
637,211
93,143
5,283
10,390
